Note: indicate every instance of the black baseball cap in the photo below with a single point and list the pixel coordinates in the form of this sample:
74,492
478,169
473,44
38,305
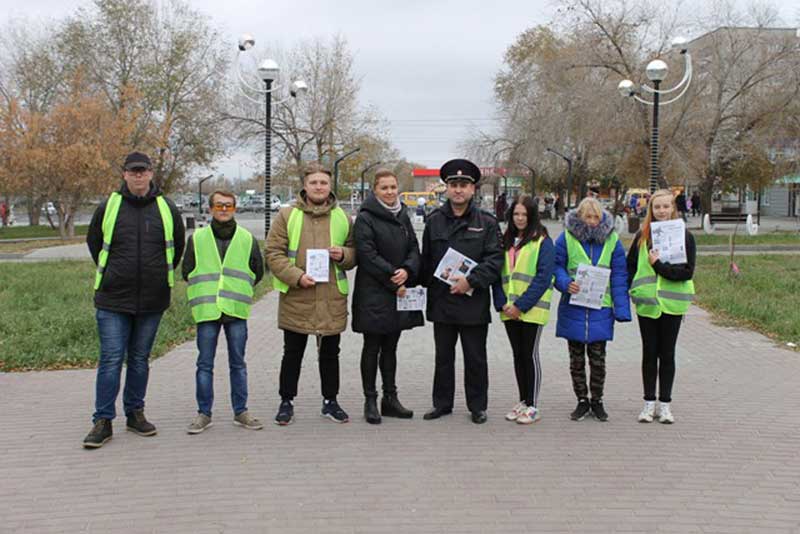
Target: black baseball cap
137,160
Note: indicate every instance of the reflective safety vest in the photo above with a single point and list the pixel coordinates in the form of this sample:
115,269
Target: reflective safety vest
517,282
339,228
110,219
577,255
216,287
653,294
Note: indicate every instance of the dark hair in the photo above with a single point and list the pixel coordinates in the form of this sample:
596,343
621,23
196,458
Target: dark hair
315,167
533,231
382,173
221,193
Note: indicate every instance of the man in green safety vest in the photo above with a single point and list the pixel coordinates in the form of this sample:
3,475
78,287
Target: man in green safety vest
309,248
136,238
222,265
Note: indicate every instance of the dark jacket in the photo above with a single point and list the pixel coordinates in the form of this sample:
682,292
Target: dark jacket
679,272
476,234
577,323
135,279
384,243
539,284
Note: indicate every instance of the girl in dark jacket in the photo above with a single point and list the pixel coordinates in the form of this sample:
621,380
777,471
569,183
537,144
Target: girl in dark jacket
589,228
662,293
388,262
523,299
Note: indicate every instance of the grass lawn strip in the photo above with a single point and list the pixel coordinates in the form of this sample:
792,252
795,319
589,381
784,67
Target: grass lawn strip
778,238
48,317
22,247
763,297
42,230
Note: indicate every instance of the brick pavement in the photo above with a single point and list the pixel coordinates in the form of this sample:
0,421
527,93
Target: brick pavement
729,464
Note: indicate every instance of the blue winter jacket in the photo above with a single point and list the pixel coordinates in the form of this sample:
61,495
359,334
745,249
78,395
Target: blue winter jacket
577,323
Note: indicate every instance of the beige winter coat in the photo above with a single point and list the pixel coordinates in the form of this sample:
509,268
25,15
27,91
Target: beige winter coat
321,309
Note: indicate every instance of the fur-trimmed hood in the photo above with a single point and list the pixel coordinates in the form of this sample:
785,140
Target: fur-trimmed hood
583,232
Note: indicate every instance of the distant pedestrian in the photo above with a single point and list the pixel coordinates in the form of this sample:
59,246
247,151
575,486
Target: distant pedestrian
589,239
4,213
309,306
388,262
522,296
680,203
222,265
136,238
696,204
662,293
500,207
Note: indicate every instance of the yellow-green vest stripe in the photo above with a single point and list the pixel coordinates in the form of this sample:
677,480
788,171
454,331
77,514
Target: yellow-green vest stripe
577,255
215,287
339,229
653,294
110,221
516,283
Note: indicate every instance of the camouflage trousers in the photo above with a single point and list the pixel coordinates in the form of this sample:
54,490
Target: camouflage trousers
597,365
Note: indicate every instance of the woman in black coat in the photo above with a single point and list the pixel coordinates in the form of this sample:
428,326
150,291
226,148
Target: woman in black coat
388,262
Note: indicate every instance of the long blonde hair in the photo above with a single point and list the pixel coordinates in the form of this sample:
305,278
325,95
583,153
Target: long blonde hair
648,218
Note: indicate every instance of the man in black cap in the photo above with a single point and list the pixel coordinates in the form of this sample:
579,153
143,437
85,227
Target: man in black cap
461,225
136,238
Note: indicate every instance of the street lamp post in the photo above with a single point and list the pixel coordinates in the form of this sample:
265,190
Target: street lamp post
533,177
569,173
336,170
656,72
366,169
268,71
200,193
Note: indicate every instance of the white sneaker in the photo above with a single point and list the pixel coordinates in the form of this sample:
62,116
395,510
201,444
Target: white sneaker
665,414
529,415
648,412
516,411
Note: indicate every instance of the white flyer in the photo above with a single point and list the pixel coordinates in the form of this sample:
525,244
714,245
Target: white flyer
415,299
593,282
454,265
669,239
318,264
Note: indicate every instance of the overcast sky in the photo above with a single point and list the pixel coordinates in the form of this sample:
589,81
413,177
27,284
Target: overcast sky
427,65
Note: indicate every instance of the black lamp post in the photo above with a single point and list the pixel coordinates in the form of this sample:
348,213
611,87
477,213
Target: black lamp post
533,177
366,169
569,174
336,170
200,193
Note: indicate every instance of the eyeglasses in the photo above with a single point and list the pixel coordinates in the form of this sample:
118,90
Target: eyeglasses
220,206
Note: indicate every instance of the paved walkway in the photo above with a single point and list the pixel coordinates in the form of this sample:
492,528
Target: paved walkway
730,463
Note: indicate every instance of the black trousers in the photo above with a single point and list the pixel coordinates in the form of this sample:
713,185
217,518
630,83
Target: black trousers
379,350
294,346
524,339
659,337
596,353
476,374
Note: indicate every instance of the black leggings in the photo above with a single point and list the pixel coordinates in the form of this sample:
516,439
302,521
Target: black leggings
658,354
380,350
294,346
524,338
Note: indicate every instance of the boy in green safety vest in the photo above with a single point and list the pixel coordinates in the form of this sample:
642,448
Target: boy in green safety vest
136,238
222,265
309,305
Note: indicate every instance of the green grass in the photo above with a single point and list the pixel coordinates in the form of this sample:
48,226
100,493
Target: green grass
47,318
779,238
43,230
763,296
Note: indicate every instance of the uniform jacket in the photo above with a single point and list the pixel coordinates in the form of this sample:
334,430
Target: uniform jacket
476,234
135,279
577,323
384,243
321,309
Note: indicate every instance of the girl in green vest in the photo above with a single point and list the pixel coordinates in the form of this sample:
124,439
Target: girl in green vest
662,293
523,299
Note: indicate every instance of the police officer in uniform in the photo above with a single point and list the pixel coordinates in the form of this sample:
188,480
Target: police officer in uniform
461,225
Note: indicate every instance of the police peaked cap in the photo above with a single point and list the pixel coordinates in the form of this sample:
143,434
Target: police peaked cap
460,169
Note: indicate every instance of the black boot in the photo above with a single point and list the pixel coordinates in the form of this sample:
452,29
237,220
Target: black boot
371,410
391,407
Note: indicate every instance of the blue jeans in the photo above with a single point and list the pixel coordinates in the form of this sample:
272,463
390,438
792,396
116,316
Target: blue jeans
236,336
121,335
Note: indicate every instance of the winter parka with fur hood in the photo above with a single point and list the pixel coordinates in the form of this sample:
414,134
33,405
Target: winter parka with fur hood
577,323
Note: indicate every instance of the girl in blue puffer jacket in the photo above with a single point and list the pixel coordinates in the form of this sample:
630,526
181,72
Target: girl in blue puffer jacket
589,236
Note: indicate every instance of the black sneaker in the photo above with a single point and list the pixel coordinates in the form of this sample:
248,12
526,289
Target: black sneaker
581,410
334,412
285,413
137,424
99,434
598,410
